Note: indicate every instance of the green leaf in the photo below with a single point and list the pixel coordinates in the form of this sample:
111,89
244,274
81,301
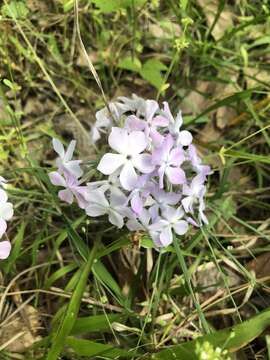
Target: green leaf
17,244
231,339
90,348
108,6
95,323
129,63
241,95
59,336
67,5
152,72
15,9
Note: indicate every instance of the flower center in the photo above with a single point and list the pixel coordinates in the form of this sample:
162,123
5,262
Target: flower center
129,157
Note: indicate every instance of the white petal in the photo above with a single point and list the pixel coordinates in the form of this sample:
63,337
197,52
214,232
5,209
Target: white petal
70,151
5,248
110,163
118,140
6,211
97,197
137,142
143,162
3,196
184,138
115,218
58,147
151,107
128,176
95,210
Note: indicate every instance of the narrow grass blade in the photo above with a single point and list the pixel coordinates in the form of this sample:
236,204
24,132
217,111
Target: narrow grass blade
231,339
66,325
95,323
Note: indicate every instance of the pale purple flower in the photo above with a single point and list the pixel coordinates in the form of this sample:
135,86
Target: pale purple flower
169,160
112,185
183,137
140,222
72,188
64,162
171,221
6,211
5,248
193,193
115,207
130,156
102,124
160,199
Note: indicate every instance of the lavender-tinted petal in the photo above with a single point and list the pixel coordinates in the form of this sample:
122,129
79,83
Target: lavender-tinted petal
134,225
66,195
57,179
160,121
5,248
156,137
176,157
176,176
110,163
161,172
137,204
143,162
128,176
181,227
166,236
3,227
134,124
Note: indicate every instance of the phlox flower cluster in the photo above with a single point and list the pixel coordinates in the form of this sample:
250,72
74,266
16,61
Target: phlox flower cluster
153,179
6,213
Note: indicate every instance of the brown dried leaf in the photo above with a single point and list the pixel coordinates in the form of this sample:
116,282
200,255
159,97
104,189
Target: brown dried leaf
16,325
260,265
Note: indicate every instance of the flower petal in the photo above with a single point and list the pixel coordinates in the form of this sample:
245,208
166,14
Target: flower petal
181,227
143,162
110,163
177,157
128,176
119,140
6,211
70,151
5,248
137,204
3,227
95,210
137,142
58,147
66,195
184,138
134,124
57,179
175,175
166,236
115,218
3,196
73,167
151,107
